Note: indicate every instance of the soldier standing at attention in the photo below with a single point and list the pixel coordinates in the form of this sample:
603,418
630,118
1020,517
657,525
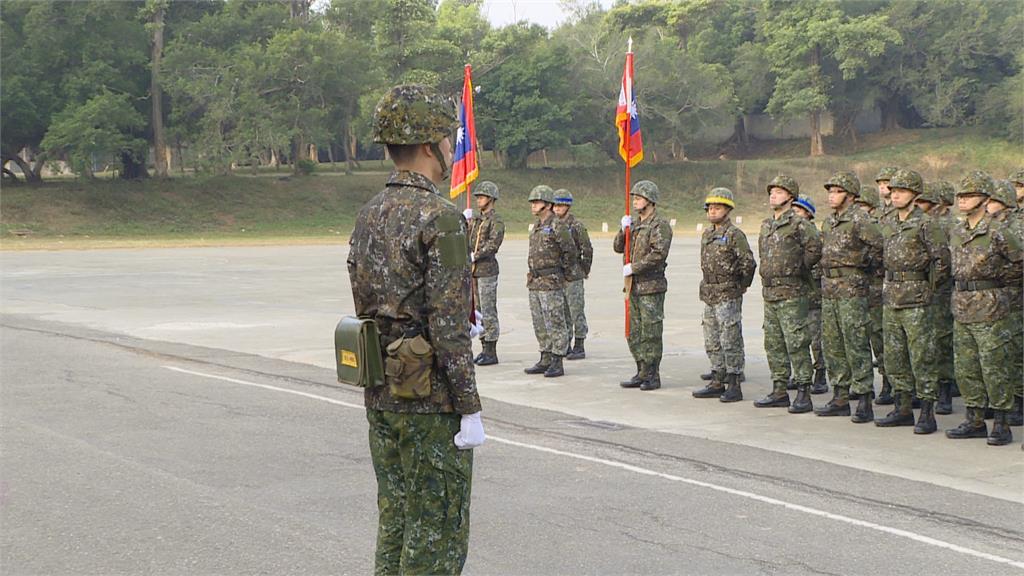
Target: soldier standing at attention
574,295
851,246
869,201
983,251
1003,207
649,242
916,261
728,266
552,254
486,232
789,247
882,179
804,208
408,264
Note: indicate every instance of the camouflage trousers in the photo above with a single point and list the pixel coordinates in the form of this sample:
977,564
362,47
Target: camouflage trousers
723,335
876,335
487,302
911,352
942,318
547,307
845,326
1018,352
574,312
646,322
814,327
423,493
984,369
787,341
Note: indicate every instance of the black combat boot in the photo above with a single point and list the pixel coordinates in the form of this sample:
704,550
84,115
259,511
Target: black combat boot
915,402
555,368
839,405
733,392
637,378
577,352
885,396
779,398
944,405
709,375
714,389
956,390
989,413
541,366
901,414
802,403
1001,434
489,356
973,427
1015,417
653,379
820,385
791,385
926,420
864,413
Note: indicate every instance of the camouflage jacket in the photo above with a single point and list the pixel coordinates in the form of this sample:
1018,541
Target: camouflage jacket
584,249
727,263
649,243
552,253
876,275
486,232
983,259
946,221
1014,220
916,260
851,248
788,247
408,264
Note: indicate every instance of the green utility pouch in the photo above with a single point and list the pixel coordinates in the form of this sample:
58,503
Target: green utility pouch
408,367
357,352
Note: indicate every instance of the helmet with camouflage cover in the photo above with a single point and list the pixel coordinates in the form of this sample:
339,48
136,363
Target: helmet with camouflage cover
542,192
848,181
786,183
869,195
563,197
1017,177
486,188
947,192
977,182
906,179
645,189
722,196
886,174
931,193
1005,193
805,202
413,114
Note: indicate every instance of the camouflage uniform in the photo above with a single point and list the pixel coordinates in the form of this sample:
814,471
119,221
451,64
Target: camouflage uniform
942,312
1011,217
486,233
575,298
851,246
820,385
649,243
552,253
408,265
870,201
789,247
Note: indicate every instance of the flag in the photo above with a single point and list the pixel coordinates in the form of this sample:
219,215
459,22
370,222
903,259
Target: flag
464,166
627,121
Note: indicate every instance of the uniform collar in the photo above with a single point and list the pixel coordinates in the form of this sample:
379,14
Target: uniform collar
413,179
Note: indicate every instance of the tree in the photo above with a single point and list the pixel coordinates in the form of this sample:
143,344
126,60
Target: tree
99,129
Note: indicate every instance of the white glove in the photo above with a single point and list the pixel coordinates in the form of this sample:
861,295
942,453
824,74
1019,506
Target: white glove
468,213
477,328
626,222
627,270
471,432
472,257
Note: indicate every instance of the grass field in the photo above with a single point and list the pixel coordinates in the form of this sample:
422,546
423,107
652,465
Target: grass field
274,207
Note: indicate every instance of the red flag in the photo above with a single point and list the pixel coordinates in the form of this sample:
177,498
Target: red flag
627,121
464,166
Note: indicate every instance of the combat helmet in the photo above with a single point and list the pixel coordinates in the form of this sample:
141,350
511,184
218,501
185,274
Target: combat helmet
645,189
906,179
932,193
1017,177
805,202
786,183
947,192
886,174
563,197
977,182
848,181
869,195
542,192
1005,193
486,188
722,196
413,114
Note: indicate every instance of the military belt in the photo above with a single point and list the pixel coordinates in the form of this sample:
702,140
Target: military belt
781,281
973,285
905,275
545,272
841,271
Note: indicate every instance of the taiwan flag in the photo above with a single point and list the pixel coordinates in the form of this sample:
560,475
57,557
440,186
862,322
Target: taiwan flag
627,121
464,166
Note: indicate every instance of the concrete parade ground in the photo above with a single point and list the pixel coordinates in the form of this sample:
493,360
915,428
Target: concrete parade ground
174,411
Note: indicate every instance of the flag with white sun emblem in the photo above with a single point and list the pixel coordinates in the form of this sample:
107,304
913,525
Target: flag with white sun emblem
464,166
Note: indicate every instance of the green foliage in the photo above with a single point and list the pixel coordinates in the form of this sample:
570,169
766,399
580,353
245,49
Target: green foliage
95,131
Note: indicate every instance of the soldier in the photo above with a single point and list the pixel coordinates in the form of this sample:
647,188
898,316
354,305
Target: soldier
649,242
869,201
408,264
789,247
983,251
804,207
882,179
574,295
728,266
851,246
486,232
1003,207
552,254
916,261
1017,179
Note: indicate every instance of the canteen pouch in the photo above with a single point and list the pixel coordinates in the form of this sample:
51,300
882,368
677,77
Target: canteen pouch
408,366
357,352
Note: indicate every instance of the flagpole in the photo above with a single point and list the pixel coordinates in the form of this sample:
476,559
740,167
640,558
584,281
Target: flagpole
626,130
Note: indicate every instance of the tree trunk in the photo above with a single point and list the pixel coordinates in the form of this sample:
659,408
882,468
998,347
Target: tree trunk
817,144
740,135
161,163
26,170
544,153
346,135
181,156
132,169
516,158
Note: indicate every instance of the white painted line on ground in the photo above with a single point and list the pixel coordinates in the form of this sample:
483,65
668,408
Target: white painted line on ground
671,477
